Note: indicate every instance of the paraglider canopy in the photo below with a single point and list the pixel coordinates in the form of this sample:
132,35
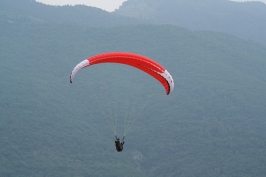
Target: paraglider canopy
143,63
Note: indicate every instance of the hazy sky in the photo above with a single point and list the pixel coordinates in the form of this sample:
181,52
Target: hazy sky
250,0
108,5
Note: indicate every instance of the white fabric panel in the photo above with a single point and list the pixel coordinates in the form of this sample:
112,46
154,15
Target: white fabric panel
79,66
169,79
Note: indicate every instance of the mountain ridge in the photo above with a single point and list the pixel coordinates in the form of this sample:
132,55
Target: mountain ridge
246,20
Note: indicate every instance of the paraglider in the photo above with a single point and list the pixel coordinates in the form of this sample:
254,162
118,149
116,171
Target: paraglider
119,144
140,62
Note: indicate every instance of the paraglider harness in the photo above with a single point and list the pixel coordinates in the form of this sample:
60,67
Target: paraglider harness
118,144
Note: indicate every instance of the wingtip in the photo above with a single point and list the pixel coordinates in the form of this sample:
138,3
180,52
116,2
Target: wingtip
70,79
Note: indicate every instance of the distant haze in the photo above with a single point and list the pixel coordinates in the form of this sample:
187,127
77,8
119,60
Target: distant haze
250,0
108,5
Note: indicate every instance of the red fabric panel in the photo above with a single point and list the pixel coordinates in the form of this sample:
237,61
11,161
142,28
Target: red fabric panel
143,63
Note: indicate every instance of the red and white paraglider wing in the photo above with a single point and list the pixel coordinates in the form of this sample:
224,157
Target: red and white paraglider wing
143,63
78,67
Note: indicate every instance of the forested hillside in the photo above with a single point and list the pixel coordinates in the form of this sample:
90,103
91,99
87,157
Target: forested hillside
28,11
213,124
246,19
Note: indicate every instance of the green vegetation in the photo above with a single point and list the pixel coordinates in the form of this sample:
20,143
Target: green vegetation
213,124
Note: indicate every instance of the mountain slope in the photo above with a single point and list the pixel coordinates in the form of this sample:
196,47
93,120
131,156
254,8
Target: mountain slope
246,20
212,124
31,11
